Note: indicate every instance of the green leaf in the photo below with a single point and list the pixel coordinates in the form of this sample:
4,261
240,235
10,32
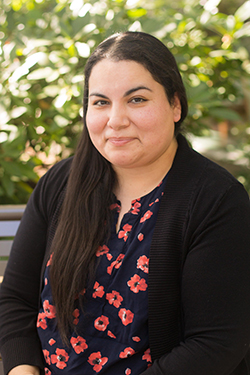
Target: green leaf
24,186
41,73
18,111
137,13
14,147
40,55
79,23
151,25
243,12
225,114
11,168
199,93
8,185
27,171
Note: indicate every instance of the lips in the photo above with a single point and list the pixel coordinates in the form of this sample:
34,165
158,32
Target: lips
120,141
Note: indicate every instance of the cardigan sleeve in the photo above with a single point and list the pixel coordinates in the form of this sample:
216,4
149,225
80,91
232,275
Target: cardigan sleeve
215,288
20,289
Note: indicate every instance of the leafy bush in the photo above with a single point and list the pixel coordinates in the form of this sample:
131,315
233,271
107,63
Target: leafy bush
44,45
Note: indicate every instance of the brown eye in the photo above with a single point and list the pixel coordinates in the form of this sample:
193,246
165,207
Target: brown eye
137,100
100,102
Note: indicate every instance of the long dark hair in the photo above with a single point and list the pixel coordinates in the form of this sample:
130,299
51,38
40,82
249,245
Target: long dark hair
85,215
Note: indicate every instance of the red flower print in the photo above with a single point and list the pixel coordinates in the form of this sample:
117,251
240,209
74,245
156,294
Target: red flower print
136,284
101,323
50,310
50,260
47,371
79,344
127,353
80,294
76,314
126,316
135,207
110,334
127,371
136,338
52,342
147,355
151,204
140,237
117,263
41,321
98,290
143,263
109,256
96,360
46,356
146,216
125,232
60,358
102,250
115,205
114,298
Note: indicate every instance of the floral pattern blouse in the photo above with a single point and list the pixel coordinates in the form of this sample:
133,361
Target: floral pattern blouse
112,334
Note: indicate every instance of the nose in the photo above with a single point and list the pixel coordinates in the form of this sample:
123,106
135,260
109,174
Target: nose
118,118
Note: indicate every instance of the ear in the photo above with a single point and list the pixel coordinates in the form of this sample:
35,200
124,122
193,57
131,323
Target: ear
176,106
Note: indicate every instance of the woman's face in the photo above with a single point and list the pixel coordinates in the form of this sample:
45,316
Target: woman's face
129,118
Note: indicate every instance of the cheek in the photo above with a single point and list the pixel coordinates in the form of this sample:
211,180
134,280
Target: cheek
151,121
157,127
95,123
145,120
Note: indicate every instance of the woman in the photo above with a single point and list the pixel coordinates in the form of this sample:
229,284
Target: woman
134,257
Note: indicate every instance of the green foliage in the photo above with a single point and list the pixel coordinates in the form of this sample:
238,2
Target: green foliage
44,45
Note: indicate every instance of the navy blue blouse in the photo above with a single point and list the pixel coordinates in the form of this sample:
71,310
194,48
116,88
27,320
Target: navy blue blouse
112,334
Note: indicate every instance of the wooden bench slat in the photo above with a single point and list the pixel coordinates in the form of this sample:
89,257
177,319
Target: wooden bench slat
5,246
3,265
8,228
11,212
10,216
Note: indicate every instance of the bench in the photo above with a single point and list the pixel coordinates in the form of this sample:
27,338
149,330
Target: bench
9,220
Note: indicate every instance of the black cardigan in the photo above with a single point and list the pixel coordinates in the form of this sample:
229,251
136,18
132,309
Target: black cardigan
199,272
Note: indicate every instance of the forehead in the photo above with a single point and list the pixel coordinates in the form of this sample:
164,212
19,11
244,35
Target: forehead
119,74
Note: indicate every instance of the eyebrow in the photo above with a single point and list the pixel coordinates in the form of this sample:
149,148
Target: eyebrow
127,93
137,89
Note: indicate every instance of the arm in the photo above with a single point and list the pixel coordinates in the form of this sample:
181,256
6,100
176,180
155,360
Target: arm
215,289
19,295
20,290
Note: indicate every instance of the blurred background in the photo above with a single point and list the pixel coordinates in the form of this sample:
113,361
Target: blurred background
44,45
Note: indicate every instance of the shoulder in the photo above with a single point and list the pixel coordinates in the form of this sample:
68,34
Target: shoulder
205,198
56,177
49,188
200,172
58,171
197,187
